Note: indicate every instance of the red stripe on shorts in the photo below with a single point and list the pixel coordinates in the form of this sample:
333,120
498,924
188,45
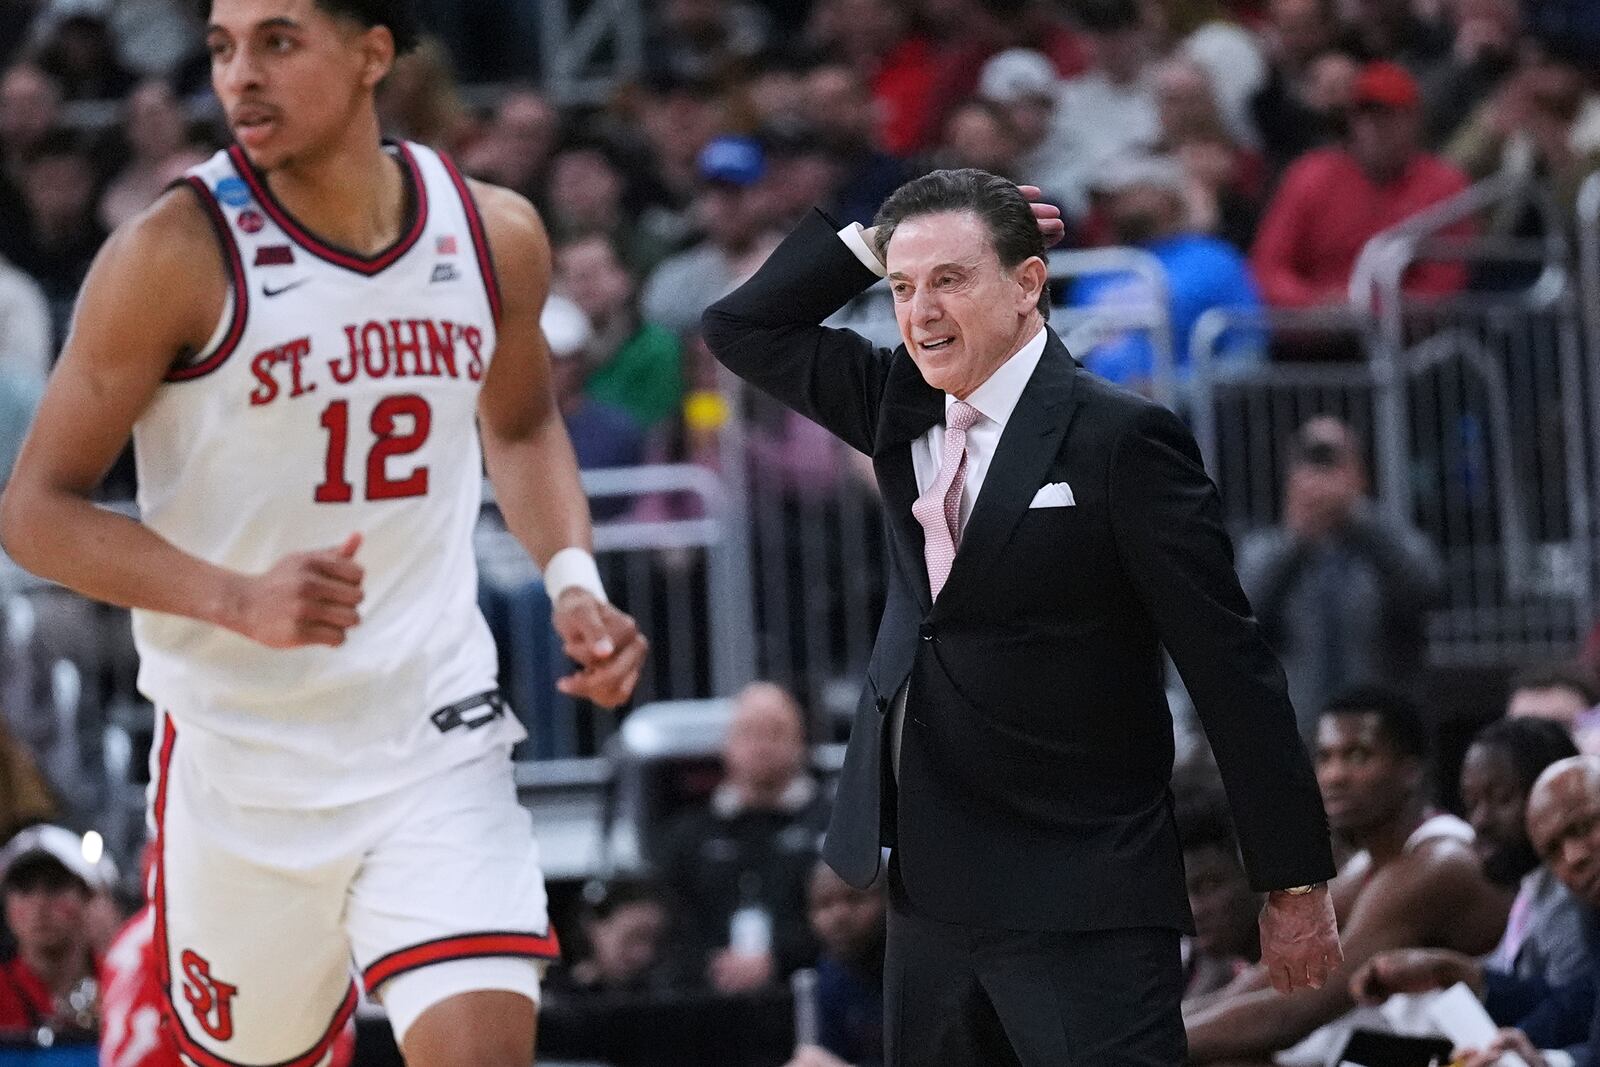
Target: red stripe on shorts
460,947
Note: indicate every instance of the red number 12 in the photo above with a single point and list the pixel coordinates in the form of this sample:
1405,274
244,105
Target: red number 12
335,489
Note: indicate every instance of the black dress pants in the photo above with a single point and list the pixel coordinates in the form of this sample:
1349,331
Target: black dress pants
963,996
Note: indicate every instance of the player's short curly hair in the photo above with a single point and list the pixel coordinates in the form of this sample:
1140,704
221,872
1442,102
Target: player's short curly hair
400,16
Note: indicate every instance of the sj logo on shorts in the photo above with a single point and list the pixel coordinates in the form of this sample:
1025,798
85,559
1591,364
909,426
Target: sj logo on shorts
211,1000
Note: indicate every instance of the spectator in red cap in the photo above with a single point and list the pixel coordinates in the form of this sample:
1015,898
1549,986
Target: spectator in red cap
1333,200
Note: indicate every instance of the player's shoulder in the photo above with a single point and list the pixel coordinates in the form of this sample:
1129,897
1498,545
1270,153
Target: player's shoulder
509,217
518,243
172,237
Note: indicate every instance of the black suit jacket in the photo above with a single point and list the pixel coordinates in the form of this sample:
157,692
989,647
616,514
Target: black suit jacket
1037,750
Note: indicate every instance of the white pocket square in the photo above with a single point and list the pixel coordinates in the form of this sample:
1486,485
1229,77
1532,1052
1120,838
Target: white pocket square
1054,495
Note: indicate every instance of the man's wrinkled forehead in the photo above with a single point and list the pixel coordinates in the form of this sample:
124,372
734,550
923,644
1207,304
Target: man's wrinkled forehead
1559,801
924,243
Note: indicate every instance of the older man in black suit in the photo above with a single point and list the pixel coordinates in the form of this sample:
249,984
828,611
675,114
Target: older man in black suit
1013,745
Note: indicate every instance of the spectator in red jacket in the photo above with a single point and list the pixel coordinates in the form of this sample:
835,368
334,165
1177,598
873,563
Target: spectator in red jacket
1333,200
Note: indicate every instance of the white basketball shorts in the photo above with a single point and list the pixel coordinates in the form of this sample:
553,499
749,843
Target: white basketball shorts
431,892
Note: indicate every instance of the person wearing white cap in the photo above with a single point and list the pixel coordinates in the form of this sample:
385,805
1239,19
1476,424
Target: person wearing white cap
1024,82
48,988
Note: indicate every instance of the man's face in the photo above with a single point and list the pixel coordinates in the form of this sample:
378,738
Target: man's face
1301,27
585,188
839,105
848,921
1219,895
29,106
628,941
973,138
1496,805
60,191
290,76
765,748
729,214
1556,703
45,908
587,273
156,124
1365,781
1564,825
960,312
1383,139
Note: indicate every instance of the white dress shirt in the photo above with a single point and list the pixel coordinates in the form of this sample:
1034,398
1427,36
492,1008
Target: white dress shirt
996,399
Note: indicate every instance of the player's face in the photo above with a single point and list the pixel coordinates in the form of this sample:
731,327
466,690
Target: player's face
291,77
1365,780
1495,801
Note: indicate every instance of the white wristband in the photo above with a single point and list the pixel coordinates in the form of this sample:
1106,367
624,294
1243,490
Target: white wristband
573,567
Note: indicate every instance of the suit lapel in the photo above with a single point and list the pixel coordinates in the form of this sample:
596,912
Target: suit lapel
1028,446
910,407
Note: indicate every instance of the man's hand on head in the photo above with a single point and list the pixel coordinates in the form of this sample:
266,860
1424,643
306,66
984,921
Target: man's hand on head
1048,216
1300,939
605,644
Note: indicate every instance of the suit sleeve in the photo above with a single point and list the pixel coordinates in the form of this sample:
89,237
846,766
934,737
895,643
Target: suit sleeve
768,332
1168,526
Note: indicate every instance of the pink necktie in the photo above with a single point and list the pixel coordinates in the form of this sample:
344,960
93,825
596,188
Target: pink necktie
939,509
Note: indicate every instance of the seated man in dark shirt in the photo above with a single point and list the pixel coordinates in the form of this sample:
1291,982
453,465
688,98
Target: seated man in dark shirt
736,873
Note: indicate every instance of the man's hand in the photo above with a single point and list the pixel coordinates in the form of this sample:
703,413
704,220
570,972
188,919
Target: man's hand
732,973
308,598
606,645
813,1056
1413,970
1513,1041
1048,216
1300,939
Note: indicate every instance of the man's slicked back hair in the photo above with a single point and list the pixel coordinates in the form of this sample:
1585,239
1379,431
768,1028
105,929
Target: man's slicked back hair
996,201
400,16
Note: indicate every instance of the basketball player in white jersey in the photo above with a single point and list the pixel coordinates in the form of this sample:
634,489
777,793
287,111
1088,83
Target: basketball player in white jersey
307,341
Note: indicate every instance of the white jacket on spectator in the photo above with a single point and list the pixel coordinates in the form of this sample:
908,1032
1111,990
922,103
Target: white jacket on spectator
26,344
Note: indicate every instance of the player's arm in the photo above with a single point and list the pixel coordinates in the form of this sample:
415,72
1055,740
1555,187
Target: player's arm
532,466
1400,906
127,332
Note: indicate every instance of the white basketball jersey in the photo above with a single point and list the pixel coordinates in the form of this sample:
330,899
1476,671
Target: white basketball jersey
338,396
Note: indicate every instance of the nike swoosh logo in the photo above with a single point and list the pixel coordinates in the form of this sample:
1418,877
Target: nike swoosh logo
269,291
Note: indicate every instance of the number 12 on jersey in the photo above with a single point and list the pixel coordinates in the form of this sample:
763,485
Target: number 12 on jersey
400,426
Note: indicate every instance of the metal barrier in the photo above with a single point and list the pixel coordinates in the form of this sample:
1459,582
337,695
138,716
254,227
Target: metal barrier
1472,405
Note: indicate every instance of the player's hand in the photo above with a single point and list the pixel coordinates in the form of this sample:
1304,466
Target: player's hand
1300,940
308,598
732,973
814,1056
605,644
1412,970
1514,1041
1048,216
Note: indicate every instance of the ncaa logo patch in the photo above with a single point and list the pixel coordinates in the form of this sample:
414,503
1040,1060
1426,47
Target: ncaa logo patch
251,222
233,192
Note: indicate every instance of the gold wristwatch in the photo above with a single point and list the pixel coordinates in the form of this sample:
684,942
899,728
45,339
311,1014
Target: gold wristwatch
1302,890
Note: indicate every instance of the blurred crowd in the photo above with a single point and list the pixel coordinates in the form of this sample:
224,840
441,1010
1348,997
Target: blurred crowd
1251,147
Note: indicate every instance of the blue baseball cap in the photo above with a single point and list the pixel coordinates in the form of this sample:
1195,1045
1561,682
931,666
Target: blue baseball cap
733,160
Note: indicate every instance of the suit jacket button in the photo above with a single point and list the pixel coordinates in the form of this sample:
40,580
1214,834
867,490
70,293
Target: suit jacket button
926,631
